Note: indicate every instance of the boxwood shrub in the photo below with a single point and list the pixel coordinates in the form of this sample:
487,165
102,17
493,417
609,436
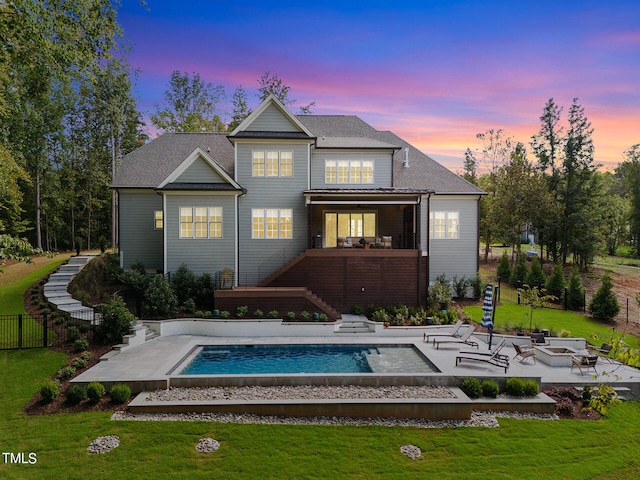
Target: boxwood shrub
50,390
471,387
120,393
490,389
95,391
76,394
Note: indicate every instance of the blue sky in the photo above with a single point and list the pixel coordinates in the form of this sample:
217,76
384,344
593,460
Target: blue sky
434,72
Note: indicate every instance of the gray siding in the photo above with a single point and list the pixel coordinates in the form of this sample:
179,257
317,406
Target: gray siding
455,257
272,120
382,168
201,255
139,240
200,172
259,257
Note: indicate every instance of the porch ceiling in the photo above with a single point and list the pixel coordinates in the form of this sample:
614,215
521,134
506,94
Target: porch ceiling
373,196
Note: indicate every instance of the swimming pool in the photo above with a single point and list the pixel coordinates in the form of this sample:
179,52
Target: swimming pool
307,358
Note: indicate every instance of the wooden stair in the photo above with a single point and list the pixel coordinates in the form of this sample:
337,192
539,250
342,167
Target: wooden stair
282,270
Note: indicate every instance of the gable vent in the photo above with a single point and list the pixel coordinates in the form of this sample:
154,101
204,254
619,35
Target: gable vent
405,164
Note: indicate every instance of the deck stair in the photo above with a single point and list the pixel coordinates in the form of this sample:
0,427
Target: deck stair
355,324
266,282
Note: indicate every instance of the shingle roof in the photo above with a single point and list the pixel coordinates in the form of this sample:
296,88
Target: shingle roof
151,164
423,171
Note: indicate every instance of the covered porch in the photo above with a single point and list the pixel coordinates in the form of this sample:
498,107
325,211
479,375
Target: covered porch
383,218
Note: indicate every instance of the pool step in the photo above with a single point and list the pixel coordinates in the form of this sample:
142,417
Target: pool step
355,324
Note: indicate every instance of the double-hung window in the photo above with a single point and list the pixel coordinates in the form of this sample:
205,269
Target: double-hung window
200,222
445,225
271,163
158,222
348,171
271,223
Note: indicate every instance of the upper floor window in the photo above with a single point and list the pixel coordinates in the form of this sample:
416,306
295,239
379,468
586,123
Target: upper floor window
348,171
271,223
158,222
444,225
200,222
272,163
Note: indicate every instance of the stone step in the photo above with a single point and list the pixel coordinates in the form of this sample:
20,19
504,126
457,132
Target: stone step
60,301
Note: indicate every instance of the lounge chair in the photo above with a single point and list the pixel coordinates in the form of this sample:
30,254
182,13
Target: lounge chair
492,358
603,351
464,338
454,332
584,362
524,351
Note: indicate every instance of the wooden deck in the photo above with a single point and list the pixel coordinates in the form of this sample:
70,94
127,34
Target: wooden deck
348,277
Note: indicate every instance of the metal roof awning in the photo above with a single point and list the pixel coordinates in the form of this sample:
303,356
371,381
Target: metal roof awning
378,196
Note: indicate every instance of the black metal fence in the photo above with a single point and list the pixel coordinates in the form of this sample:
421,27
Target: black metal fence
24,331
629,309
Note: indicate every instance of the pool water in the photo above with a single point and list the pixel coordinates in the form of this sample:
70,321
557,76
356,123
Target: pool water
287,359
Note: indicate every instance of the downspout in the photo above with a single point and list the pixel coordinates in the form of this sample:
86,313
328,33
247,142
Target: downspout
164,233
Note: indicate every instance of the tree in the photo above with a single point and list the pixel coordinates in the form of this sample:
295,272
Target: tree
470,167
629,173
274,85
604,304
533,297
547,146
536,275
240,108
11,174
191,105
555,283
575,290
503,270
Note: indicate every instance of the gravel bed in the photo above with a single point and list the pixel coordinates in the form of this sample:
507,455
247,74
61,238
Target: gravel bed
311,392
104,444
478,419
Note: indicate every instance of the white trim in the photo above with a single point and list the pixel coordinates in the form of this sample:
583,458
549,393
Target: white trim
164,234
270,100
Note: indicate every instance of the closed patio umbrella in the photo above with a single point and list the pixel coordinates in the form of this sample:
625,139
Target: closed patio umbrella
487,312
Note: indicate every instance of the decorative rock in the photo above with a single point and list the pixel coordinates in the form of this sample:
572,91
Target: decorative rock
411,451
104,444
207,445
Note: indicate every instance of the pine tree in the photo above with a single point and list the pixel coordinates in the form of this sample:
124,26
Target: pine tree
604,304
536,276
575,291
504,267
520,272
556,283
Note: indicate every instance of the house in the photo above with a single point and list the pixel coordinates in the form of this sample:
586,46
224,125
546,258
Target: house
323,204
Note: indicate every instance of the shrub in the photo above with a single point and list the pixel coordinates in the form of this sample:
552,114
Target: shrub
86,355
478,287
604,304
531,388
258,313
95,391
79,363
50,390
305,315
183,283
357,310
439,294
73,333
603,398
116,321
273,314
564,406
160,299
291,316
490,389
323,317
76,394
503,270
564,333
225,314
199,314
520,272
242,311
81,344
204,291
471,387
189,305
460,287
536,276
66,372
555,283
120,393
515,387
575,291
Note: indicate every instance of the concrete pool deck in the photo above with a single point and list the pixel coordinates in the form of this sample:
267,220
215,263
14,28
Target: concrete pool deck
150,365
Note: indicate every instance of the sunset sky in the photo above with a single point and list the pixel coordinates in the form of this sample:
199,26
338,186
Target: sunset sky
434,72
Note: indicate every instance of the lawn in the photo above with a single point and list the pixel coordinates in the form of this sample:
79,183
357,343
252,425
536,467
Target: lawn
532,449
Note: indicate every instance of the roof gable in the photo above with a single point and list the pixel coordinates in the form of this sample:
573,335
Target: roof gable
180,174
271,116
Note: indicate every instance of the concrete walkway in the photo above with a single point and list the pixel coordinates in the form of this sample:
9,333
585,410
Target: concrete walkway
55,290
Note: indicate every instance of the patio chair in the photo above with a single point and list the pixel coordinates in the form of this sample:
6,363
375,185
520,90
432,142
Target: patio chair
492,358
584,362
454,332
386,241
604,350
344,242
524,351
538,339
464,338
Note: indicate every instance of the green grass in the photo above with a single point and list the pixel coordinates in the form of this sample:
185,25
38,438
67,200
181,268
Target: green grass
509,315
529,449
570,449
